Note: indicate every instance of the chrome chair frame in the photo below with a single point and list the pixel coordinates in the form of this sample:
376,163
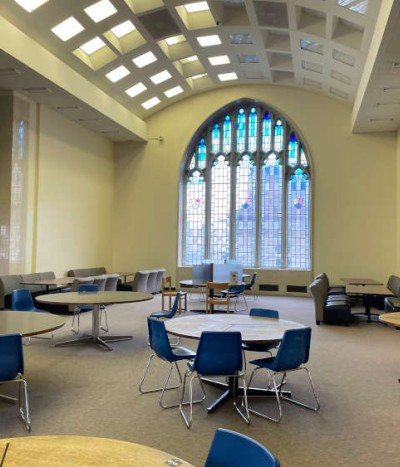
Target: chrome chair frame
83,288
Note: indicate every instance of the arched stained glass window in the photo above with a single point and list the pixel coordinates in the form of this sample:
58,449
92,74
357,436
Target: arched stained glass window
247,191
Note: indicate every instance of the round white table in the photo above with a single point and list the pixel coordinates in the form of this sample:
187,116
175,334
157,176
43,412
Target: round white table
28,323
94,299
391,318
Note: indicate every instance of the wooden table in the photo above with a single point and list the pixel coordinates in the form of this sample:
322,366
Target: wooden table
391,318
58,281
254,329
94,299
360,281
368,290
73,451
28,323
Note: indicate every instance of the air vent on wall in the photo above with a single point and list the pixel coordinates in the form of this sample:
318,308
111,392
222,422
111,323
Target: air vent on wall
296,288
269,287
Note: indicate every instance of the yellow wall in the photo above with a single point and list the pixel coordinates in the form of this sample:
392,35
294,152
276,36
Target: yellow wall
75,196
354,184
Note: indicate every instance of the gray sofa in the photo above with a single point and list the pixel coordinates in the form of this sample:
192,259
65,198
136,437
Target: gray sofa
393,303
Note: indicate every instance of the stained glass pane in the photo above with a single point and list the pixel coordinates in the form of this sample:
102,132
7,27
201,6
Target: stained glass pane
266,133
227,134
292,150
220,210
253,133
303,158
246,212
271,213
202,151
215,138
298,234
192,164
195,219
240,130
278,140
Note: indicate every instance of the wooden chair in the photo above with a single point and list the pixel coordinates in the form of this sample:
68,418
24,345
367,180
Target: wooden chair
214,296
168,292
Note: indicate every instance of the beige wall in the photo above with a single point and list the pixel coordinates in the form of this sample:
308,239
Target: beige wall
354,185
75,196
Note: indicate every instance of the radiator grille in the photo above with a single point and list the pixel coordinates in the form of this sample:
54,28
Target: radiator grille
269,287
296,288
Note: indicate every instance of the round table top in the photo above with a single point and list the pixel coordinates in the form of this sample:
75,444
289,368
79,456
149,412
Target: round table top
57,451
391,318
93,298
253,328
28,323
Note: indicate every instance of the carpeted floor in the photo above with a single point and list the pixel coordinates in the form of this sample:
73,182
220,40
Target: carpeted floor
84,390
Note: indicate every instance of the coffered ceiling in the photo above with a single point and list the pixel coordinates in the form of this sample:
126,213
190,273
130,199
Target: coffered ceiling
110,64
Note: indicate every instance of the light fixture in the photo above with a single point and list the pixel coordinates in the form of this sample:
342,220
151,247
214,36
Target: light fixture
196,7
136,90
173,91
175,39
67,29
151,103
92,46
227,76
100,10
208,41
219,60
144,60
118,73
30,5
123,29
200,75
193,58
161,77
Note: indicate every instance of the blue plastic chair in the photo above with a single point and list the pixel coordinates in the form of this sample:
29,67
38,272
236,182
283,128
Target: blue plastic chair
218,354
21,300
264,313
83,288
236,291
162,348
293,352
251,284
232,449
11,371
168,314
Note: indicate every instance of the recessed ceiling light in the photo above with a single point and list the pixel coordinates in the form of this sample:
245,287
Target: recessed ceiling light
93,46
227,76
200,75
144,60
208,41
175,40
219,60
136,90
118,73
67,29
151,103
161,77
197,6
173,91
193,58
30,5
100,10
123,29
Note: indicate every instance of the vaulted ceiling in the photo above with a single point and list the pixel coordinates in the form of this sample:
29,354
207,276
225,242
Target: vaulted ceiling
110,64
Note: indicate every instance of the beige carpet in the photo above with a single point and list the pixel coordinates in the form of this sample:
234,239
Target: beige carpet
84,390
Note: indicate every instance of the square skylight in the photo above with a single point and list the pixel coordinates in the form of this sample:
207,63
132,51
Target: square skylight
145,59
208,41
30,5
343,57
175,39
123,29
100,10
200,75
310,66
161,77
357,6
219,60
197,6
192,58
173,91
93,46
227,76
151,103
67,29
136,90
241,38
118,73
311,46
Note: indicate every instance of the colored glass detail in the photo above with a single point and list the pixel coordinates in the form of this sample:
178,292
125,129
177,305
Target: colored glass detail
195,219
292,150
240,130
253,133
266,133
278,133
226,144
202,154
215,138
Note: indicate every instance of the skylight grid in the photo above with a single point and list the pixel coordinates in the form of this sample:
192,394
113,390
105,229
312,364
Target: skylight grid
144,59
136,90
67,29
93,46
100,10
196,7
173,91
123,29
161,77
219,60
118,74
227,76
151,103
209,41
30,5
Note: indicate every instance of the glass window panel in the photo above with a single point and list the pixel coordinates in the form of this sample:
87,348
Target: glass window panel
246,212
227,134
278,140
266,133
303,158
240,130
215,138
292,150
192,164
253,130
220,210
195,219
202,151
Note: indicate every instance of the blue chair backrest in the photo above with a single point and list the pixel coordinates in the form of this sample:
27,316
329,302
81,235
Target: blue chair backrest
219,353
232,449
21,300
174,308
264,312
293,350
11,356
253,280
159,341
83,288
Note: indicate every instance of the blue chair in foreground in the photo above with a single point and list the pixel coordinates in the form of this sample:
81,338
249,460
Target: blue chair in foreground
263,313
168,315
293,352
232,449
83,288
162,348
11,371
218,354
